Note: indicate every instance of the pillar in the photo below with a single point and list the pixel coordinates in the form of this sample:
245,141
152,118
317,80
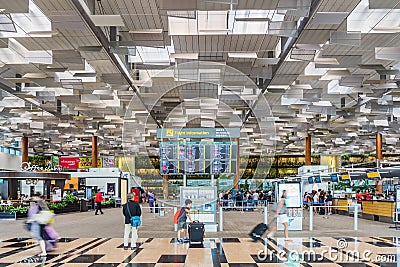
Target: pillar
308,150
24,148
236,180
94,151
60,184
378,150
12,188
165,186
47,188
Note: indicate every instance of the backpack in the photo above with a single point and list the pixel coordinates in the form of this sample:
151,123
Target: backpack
178,215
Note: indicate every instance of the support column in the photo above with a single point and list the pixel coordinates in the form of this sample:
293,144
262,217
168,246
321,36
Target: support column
94,151
165,186
378,150
12,189
236,180
24,148
308,150
47,187
60,184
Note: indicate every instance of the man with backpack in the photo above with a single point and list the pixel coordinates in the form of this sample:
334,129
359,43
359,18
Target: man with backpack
130,209
180,218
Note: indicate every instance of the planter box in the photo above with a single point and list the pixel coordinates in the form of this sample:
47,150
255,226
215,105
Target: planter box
22,215
70,208
7,216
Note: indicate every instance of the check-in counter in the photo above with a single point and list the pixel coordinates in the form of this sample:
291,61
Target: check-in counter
378,210
341,205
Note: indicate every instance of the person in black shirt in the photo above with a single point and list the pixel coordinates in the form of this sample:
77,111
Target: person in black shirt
129,209
329,202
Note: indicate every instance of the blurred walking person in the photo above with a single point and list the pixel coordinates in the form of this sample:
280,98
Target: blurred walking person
281,213
38,216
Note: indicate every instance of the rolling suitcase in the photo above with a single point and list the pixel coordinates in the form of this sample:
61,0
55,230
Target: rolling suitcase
196,233
258,231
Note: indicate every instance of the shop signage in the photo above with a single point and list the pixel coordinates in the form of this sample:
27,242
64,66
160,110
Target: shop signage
28,167
69,162
198,133
86,163
54,160
56,196
374,173
345,176
108,162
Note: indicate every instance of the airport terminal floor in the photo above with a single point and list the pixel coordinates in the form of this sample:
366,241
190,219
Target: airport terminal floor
220,106
89,240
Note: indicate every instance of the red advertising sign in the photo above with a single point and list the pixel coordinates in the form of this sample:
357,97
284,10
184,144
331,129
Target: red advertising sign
69,162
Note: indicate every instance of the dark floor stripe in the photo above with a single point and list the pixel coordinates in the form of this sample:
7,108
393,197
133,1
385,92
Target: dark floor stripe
82,246
133,255
269,247
278,245
15,251
220,253
69,253
95,245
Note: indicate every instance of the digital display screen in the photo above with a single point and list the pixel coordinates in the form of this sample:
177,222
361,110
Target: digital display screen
334,178
198,157
318,179
310,180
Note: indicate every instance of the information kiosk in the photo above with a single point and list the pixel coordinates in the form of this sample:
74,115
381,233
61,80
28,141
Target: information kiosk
293,204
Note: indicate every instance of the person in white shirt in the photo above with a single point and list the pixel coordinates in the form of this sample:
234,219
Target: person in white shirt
255,198
315,201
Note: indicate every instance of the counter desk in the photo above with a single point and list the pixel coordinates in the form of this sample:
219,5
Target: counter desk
376,210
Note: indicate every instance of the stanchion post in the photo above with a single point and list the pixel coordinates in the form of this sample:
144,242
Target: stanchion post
311,218
175,225
356,217
266,214
221,220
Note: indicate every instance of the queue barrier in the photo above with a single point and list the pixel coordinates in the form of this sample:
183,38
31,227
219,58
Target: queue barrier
355,215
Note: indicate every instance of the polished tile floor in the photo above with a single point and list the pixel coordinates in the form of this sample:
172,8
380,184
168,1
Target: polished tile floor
225,252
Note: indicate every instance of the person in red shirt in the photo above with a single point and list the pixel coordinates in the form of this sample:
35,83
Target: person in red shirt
359,197
136,193
97,200
367,195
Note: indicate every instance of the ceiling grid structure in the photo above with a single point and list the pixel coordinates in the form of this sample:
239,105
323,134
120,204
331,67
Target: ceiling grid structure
339,80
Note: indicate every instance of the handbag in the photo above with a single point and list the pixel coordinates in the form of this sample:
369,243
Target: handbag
135,220
43,217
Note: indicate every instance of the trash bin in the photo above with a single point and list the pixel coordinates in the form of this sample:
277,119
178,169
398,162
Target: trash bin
156,209
84,205
118,202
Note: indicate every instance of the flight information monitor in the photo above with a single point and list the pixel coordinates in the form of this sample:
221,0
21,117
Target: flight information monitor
172,158
224,160
198,157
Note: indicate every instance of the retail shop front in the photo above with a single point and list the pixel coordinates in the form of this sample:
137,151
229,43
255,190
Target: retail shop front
12,183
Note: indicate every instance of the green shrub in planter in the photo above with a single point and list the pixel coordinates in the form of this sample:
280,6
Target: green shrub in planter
69,198
18,210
